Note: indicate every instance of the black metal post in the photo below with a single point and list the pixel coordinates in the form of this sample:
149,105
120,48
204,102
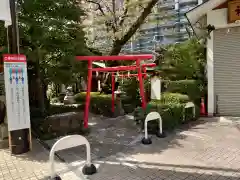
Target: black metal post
19,139
13,30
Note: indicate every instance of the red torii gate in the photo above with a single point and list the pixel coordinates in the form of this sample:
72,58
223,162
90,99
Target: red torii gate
144,75
138,67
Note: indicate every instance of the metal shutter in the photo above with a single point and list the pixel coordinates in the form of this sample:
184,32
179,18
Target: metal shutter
226,55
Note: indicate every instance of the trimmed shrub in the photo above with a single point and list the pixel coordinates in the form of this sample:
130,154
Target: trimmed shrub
81,97
192,88
174,98
100,103
59,109
128,104
131,89
171,109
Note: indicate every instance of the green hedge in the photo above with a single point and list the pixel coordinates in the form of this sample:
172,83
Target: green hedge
99,104
81,97
192,88
170,107
102,103
59,109
131,88
171,114
174,98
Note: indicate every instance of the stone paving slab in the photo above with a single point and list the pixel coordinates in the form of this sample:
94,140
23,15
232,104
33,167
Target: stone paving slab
108,137
204,150
30,166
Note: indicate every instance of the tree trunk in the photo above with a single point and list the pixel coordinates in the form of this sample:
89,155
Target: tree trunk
39,86
117,47
46,100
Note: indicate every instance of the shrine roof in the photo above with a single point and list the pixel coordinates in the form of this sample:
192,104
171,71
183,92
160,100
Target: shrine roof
196,13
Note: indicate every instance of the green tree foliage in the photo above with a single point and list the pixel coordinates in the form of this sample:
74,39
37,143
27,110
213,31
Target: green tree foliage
3,38
2,34
180,65
183,61
51,35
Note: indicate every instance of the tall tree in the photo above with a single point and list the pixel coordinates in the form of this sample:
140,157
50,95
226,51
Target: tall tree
113,23
51,36
183,61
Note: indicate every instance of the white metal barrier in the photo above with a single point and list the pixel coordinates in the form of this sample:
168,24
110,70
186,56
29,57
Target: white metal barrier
150,117
189,105
69,142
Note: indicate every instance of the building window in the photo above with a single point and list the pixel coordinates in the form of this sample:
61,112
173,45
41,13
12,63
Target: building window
159,38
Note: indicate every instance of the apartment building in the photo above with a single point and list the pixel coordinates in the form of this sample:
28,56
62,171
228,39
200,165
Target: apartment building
166,25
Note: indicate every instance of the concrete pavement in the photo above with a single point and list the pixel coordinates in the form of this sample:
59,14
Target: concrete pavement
204,150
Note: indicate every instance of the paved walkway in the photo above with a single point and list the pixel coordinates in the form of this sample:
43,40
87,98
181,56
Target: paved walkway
205,150
30,166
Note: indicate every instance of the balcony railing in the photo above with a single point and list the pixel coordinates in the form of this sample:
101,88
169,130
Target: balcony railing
188,3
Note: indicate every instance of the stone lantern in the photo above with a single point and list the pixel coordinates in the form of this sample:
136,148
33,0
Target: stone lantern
69,98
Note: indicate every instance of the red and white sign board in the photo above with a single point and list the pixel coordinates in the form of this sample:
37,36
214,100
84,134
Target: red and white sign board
14,58
16,86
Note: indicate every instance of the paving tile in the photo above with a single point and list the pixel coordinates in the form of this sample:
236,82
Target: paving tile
204,150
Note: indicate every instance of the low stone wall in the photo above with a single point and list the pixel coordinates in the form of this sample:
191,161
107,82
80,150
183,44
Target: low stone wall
62,124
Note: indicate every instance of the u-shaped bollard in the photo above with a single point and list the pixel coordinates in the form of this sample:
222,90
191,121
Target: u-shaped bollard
189,105
150,117
66,143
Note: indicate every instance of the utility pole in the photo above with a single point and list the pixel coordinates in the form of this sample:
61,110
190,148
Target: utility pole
13,30
18,139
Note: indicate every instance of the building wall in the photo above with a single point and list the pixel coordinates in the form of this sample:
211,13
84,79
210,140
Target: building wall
226,71
218,18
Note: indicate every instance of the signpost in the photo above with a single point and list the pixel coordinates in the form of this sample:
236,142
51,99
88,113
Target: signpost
233,11
155,88
17,102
